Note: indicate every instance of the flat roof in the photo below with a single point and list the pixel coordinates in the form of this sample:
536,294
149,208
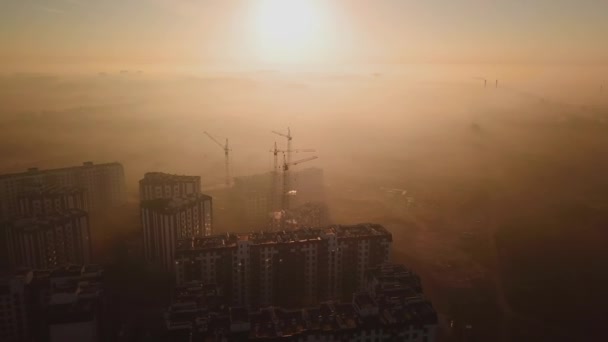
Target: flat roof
207,242
161,177
36,171
51,189
170,205
277,322
284,236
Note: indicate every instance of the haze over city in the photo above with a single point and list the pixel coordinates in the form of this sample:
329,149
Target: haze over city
459,143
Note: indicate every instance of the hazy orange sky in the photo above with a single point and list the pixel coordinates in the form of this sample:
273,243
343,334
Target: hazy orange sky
178,32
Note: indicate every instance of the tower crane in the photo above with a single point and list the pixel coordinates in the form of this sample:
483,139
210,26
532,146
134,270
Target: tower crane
227,150
289,138
275,151
286,181
275,171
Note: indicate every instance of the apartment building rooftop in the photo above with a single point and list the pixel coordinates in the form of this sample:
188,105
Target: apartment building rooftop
172,205
285,236
416,313
67,271
359,230
70,308
36,171
207,242
392,279
279,323
161,177
51,189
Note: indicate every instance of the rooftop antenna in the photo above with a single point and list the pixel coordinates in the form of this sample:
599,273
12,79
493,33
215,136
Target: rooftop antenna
227,150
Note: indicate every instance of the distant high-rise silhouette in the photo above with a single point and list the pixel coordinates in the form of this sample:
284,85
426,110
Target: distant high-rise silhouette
103,184
49,199
156,185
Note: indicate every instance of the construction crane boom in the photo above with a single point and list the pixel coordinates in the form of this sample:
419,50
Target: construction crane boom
275,150
215,140
275,171
283,134
287,180
289,138
300,161
227,150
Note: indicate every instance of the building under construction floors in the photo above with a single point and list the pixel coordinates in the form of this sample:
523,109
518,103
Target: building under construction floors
251,203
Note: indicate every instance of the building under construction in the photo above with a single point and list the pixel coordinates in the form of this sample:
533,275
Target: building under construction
251,204
277,200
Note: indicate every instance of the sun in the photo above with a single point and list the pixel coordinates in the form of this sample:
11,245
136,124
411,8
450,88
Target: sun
288,30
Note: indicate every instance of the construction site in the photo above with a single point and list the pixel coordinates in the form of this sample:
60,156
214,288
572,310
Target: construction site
283,198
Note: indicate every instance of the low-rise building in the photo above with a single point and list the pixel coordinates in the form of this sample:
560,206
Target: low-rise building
73,317
366,317
47,304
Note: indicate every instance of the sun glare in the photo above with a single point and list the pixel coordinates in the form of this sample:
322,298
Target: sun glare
288,30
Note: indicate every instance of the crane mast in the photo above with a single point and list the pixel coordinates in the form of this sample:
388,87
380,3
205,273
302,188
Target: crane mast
227,150
275,174
286,179
289,138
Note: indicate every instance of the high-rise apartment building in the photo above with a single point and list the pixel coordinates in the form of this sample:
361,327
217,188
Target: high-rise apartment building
157,185
49,199
167,220
287,268
103,184
49,240
74,316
